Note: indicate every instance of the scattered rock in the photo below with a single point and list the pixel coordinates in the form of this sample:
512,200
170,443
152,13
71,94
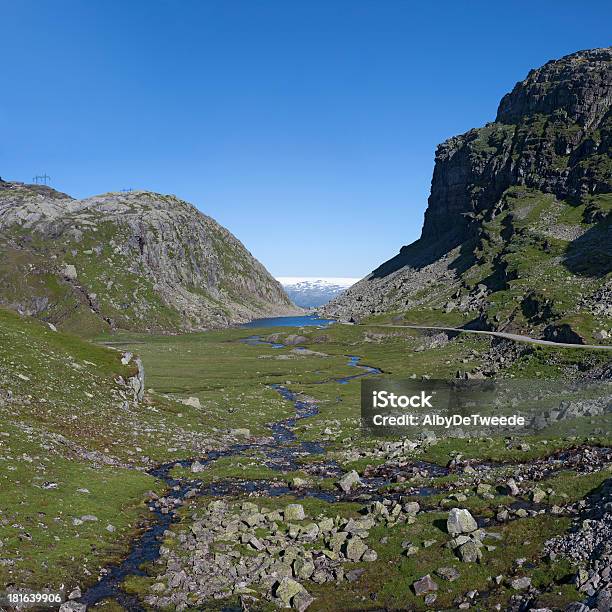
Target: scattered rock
448,573
69,272
424,585
520,584
349,481
294,512
75,593
194,402
287,589
460,521
197,467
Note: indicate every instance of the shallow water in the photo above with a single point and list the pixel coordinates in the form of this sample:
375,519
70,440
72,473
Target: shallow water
299,321
282,454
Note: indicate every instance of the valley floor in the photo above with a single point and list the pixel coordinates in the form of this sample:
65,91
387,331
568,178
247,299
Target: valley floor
243,479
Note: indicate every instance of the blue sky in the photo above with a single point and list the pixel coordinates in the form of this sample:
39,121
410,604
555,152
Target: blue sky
306,128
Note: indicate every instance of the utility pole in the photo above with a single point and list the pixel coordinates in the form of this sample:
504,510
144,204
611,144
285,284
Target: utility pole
41,179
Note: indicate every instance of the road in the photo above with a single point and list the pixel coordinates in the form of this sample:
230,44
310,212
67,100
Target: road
508,336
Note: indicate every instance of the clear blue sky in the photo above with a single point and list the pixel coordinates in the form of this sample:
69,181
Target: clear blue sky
307,128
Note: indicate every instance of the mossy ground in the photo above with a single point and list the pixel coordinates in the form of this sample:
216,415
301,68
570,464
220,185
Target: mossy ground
231,380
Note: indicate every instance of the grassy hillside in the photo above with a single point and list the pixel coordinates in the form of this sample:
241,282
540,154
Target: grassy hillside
139,261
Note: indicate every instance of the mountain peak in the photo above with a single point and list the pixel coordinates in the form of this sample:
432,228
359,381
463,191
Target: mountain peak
578,85
517,231
138,260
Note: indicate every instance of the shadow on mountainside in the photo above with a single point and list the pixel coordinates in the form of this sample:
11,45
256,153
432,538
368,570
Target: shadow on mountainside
424,252
591,253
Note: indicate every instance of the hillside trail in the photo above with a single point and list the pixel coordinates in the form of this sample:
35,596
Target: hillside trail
498,334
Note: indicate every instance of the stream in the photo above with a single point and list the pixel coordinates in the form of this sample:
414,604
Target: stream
282,454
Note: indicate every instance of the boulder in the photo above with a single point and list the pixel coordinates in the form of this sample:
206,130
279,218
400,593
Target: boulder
197,467
303,569
470,552
424,585
460,521
287,589
69,272
72,606
299,483
354,549
349,480
75,593
194,402
520,584
411,507
302,600
294,512
326,524
369,555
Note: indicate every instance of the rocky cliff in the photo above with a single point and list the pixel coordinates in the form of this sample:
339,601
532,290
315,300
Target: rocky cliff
517,228
137,261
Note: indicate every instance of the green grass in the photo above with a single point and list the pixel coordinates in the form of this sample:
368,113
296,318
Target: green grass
231,380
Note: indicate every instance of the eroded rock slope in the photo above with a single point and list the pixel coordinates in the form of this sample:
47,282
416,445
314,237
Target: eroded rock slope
138,261
517,232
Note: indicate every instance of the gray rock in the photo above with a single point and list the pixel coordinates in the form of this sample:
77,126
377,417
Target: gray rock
303,569
460,521
369,555
430,599
349,481
75,593
197,467
424,585
294,512
69,271
355,548
302,601
469,552
538,496
448,573
194,402
520,584
72,606
287,589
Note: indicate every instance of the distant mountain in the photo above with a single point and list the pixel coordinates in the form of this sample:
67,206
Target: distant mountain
137,261
518,230
311,291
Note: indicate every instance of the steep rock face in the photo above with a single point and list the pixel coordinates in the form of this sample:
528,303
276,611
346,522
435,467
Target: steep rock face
137,260
553,132
538,180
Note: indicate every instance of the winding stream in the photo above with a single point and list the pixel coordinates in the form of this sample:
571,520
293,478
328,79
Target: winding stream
282,454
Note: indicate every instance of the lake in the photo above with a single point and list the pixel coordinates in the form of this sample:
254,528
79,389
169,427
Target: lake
301,321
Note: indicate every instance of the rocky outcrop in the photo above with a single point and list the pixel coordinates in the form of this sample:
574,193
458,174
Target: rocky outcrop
537,180
136,260
548,134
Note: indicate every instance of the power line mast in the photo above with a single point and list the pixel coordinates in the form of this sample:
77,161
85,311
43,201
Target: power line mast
41,179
